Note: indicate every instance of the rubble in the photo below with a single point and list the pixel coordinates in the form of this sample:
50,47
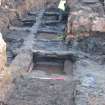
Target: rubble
98,24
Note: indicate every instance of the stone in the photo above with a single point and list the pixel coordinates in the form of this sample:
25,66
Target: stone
79,23
84,18
98,24
3,57
68,67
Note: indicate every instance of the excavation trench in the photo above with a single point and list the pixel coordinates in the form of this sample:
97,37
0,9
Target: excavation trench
37,52
51,28
44,67
47,71
53,64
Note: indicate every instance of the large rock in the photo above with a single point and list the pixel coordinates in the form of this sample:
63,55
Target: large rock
85,18
80,23
3,57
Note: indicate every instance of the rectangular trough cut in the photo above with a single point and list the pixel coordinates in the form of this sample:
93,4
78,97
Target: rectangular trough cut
52,64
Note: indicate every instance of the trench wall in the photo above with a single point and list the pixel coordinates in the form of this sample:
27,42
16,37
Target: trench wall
10,9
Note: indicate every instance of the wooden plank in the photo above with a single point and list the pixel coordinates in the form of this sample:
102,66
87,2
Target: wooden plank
56,54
